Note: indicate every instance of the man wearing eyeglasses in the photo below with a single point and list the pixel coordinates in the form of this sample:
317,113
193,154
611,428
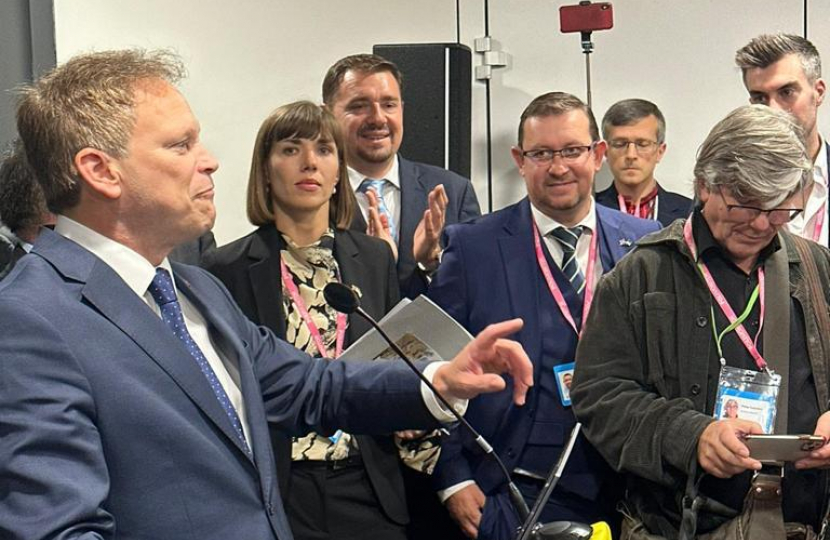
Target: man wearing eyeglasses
721,293
783,71
635,132
539,259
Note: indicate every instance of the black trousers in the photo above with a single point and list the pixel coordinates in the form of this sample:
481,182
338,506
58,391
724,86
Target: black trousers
325,503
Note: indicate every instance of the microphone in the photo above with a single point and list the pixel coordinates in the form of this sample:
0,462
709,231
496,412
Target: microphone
531,529
343,299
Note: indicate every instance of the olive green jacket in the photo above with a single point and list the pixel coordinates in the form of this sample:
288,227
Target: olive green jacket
647,366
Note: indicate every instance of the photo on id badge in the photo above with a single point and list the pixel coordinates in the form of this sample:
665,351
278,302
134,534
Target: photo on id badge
746,406
564,374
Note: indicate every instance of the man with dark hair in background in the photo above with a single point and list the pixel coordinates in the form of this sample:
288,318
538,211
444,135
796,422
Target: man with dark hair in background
783,71
22,206
364,93
635,132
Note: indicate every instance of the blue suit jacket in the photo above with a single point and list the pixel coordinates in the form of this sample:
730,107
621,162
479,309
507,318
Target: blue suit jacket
417,180
488,274
109,427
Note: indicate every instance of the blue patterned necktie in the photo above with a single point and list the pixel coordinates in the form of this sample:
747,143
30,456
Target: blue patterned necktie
567,238
378,186
171,313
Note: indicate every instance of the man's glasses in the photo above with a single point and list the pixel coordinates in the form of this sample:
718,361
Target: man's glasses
643,147
776,216
571,154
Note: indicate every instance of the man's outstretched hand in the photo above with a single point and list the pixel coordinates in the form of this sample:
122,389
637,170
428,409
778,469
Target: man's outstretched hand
477,368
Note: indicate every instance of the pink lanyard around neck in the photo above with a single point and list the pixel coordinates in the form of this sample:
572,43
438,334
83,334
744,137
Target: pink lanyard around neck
624,207
819,222
750,344
554,288
340,334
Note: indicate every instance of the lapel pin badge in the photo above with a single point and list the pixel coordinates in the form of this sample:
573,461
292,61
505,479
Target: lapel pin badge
625,242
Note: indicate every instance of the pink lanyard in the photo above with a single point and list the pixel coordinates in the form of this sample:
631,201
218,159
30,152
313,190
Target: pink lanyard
288,281
624,207
819,223
750,345
554,289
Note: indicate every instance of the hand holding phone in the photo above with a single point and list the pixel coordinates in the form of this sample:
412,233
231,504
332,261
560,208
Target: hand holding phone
782,448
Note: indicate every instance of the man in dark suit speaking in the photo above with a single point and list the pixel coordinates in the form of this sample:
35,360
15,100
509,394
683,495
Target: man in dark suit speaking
134,394
364,93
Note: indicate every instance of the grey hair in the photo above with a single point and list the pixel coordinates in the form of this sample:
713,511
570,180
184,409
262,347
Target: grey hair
757,154
631,111
88,102
766,49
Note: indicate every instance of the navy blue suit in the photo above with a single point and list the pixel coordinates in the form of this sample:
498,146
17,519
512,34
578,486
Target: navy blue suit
109,426
417,180
670,206
489,273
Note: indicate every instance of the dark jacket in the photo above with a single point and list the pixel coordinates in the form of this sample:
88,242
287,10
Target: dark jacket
488,274
250,268
670,206
647,368
110,429
417,180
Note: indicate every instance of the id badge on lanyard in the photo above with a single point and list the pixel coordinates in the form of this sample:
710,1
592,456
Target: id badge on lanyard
748,395
742,393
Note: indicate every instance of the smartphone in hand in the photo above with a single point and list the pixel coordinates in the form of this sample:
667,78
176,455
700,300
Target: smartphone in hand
782,448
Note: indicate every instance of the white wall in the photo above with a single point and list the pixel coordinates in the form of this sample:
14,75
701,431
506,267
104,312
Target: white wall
249,56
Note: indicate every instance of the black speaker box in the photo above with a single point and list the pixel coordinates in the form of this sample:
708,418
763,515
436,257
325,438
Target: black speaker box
437,88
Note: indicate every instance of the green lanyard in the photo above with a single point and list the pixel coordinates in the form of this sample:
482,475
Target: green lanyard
737,322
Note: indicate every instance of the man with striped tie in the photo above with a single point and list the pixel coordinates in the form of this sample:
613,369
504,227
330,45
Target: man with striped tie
539,259
363,91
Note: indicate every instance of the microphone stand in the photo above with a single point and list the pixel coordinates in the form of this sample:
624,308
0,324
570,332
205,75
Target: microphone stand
334,294
531,529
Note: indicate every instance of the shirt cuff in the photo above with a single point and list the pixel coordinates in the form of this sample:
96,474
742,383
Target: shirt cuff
445,494
435,407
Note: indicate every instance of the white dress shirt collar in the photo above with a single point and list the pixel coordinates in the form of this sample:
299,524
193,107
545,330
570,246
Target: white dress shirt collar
135,270
393,176
546,223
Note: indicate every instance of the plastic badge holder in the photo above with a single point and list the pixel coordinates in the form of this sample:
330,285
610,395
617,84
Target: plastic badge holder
748,395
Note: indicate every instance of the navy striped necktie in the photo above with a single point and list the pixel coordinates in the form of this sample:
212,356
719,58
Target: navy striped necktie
567,238
164,294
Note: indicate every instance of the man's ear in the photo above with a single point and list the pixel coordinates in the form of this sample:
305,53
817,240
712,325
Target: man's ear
99,173
518,158
821,89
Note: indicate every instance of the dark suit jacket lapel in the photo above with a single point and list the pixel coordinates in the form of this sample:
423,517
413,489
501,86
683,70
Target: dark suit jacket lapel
264,273
413,203
233,349
669,205
614,240
354,270
108,293
522,274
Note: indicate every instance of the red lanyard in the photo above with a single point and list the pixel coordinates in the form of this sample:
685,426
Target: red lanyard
288,281
624,207
720,299
554,289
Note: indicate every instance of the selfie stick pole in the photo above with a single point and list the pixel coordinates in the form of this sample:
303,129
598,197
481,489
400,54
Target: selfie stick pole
587,48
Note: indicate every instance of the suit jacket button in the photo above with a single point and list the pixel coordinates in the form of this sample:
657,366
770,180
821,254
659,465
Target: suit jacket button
695,389
701,321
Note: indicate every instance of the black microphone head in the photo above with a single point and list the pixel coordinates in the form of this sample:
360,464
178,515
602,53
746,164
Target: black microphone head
563,530
341,297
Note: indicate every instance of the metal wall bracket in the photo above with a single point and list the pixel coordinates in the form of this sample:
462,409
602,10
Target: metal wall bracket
492,57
